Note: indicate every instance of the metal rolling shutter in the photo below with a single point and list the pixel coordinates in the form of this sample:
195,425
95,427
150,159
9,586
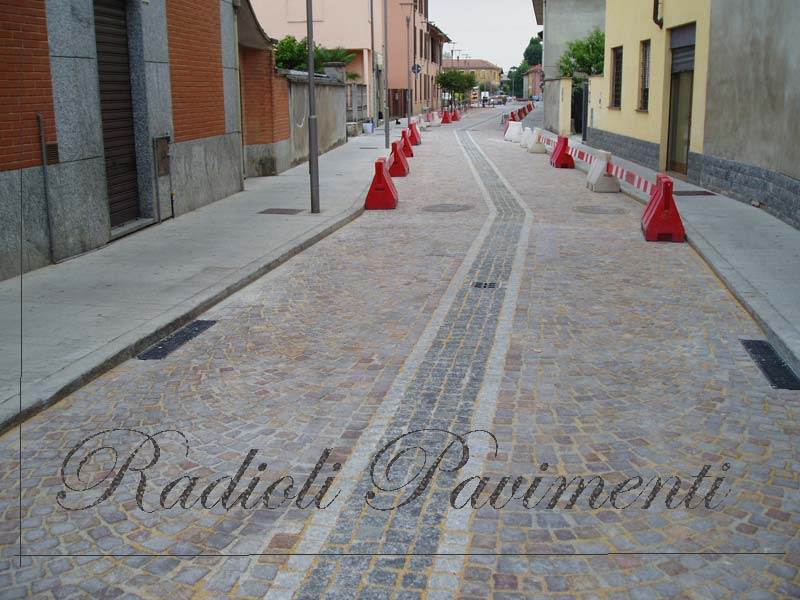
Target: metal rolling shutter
116,108
682,44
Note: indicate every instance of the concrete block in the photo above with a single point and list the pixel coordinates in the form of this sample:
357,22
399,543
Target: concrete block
598,178
535,146
70,28
76,96
514,132
527,137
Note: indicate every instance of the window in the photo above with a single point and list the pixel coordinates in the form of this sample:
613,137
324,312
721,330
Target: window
616,78
644,75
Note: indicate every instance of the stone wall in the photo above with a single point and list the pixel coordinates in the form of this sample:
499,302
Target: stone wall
639,151
776,193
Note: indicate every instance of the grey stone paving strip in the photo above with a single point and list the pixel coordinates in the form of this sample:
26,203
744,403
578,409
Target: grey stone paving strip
445,579
322,523
441,394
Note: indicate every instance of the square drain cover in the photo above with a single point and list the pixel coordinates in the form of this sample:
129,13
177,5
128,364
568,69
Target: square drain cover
780,376
282,211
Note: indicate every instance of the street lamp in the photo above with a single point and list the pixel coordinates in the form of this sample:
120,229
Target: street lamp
313,147
413,6
386,71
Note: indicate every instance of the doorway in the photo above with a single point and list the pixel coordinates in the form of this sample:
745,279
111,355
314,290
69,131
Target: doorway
682,43
680,121
116,108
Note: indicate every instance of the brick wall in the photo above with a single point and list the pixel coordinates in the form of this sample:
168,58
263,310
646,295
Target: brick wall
195,53
265,98
25,83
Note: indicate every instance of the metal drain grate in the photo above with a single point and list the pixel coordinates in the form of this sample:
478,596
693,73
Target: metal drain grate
485,284
281,211
777,372
693,193
172,342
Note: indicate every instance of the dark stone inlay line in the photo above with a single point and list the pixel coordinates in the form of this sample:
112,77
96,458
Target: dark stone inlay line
172,342
442,395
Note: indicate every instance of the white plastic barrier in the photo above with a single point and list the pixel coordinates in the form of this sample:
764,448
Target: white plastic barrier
514,132
527,137
598,178
536,146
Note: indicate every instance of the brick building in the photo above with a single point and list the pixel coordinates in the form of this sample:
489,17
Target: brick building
141,117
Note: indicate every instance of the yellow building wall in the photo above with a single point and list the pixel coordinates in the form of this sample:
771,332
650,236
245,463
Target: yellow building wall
628,23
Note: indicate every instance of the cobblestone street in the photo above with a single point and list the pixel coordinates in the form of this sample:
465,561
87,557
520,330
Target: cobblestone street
501,298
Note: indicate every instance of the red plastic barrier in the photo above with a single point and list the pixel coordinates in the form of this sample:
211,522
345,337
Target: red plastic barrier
513,117
416,138
456,116
446,117
520,114
560,158
382,194
406,143
661,221
524,110
397,165
530,106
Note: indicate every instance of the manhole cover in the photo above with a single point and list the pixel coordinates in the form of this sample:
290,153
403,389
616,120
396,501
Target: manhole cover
600,210
447,207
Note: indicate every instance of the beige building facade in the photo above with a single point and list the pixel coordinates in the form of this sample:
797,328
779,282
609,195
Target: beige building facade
356,25
413,40
485,72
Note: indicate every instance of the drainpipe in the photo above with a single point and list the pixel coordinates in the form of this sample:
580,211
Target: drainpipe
46,190
656,19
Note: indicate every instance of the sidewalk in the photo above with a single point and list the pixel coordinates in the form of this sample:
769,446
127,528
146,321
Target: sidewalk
85,315
756,255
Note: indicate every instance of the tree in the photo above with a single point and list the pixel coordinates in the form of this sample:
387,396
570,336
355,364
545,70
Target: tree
293,54
455,82
533,53
515,75
583,57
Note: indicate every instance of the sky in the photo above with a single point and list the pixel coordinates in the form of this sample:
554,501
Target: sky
495,30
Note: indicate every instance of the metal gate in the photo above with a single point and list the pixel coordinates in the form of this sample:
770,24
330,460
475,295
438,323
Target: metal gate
116,108
357,102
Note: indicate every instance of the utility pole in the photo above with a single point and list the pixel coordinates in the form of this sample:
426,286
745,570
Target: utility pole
313,147
386,71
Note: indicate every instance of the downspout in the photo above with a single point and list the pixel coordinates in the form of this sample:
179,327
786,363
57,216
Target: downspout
46,190
656,19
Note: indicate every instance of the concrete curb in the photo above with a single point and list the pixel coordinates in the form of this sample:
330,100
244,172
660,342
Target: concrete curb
787,343
61,384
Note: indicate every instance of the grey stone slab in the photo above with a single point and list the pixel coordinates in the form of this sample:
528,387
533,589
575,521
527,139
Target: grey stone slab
149,19
70,28
227,20
230,80
78,207
76,98
205,170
